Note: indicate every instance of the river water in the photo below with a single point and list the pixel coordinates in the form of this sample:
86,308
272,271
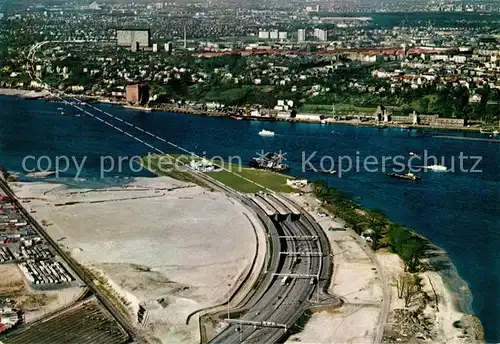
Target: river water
459,211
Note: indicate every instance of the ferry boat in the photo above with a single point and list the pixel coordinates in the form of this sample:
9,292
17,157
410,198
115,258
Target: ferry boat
409,176
266,133
436,168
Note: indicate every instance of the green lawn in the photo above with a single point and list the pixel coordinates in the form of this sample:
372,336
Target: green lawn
271,180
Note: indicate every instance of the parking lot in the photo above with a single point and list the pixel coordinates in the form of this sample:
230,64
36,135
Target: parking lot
20,243
86,324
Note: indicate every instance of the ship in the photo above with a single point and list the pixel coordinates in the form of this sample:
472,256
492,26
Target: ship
436,168
409,176
265,132
270,161
321,171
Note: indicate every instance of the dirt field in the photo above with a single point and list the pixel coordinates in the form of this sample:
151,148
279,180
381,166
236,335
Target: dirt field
156,239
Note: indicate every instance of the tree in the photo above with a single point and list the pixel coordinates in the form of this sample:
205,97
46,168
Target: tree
412,252
408,287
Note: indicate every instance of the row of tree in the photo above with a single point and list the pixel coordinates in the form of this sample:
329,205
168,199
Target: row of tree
374,224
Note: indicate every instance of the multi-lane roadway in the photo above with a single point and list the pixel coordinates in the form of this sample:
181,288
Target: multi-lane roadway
299,266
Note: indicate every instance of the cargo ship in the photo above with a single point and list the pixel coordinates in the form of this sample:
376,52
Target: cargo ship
270,161
409,176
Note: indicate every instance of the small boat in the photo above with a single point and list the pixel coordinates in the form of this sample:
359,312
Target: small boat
409,176
266,133
414,155
436,168
488,132
322,171
404,127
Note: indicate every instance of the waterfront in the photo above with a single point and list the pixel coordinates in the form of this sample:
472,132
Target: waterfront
457,211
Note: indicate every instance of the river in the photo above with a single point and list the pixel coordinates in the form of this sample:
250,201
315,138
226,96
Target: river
459,211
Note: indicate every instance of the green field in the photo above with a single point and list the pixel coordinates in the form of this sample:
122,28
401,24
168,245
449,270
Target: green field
232,178
270,180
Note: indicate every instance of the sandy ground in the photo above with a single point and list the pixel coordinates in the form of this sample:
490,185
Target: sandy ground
355,280
443,315
35,303
156,239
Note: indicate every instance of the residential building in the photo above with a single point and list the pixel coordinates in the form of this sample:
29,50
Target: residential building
301,35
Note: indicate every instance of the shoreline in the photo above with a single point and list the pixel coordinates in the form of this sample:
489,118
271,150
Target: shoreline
446,297
31,95
453,295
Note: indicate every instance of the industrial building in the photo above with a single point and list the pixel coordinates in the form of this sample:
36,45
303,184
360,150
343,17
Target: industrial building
130,37
137,94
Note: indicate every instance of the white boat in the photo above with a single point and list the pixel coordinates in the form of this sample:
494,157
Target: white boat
495,133
436,168
265,132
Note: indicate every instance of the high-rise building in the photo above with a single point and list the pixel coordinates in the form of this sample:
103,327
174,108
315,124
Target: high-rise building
125,37
168,47
274,34
155,47
322,35
282,35
137,94
301,35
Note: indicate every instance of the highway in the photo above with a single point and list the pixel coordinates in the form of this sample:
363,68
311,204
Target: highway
81,273
275,305
274,311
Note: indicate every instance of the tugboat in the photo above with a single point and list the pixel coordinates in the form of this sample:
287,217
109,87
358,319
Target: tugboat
270,161
409,176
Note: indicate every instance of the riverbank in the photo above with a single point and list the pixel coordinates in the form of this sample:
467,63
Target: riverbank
439,310
299,118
